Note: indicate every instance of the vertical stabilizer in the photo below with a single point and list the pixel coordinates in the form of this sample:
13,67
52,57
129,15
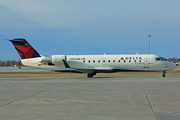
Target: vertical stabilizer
24,49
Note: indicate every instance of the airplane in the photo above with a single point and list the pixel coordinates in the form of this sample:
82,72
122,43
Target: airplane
90,64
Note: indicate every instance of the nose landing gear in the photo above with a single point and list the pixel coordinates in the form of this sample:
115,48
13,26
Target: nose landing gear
164,74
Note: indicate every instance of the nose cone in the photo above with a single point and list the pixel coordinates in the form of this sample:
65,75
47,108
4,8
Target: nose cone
172,66
175,66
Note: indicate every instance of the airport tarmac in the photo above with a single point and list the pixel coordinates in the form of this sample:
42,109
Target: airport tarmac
81,98
16,69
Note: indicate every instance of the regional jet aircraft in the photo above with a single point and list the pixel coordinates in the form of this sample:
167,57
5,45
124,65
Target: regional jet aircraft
90,64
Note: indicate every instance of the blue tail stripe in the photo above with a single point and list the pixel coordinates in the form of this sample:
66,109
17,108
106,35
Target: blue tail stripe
35,54
21,53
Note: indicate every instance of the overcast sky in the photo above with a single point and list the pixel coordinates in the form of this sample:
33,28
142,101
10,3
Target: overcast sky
91,26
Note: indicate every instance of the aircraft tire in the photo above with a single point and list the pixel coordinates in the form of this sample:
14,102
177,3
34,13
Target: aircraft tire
90,75
164,74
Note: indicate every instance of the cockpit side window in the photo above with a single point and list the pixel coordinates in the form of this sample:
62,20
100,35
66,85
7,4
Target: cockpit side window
160,59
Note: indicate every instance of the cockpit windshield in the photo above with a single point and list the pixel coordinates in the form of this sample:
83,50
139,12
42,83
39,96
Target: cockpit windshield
160,59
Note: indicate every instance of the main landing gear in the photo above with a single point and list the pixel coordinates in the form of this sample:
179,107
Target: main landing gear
91,75
164,74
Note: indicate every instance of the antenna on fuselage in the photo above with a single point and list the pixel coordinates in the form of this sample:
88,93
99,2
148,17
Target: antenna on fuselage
136,53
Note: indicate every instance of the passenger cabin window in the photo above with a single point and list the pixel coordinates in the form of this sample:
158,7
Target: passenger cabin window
83,61
98,61
134,60
89,61
160,59
108,61
119,61
129,60
139,60
114,61
124,60
104,61
93,61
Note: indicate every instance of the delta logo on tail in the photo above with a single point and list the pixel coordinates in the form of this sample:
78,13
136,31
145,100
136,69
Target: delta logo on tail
24,49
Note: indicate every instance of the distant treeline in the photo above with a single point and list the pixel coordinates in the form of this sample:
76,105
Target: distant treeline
176,60
10,63
18,63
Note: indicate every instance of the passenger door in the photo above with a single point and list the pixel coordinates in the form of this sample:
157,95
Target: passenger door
146,63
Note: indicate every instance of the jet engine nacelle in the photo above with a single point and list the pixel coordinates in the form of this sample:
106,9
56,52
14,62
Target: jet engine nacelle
58,59
54,59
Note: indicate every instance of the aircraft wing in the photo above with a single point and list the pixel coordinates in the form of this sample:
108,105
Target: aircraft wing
89,70
93,70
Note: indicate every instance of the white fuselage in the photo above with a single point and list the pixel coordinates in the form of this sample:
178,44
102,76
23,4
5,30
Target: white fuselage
111,63
90,64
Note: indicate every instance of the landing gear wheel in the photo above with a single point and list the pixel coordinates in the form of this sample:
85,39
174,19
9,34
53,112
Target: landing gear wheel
90,75
164,74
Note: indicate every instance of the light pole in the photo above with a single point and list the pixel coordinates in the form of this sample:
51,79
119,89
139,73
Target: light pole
149,43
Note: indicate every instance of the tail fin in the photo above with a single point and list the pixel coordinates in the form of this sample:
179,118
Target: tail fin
24,49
